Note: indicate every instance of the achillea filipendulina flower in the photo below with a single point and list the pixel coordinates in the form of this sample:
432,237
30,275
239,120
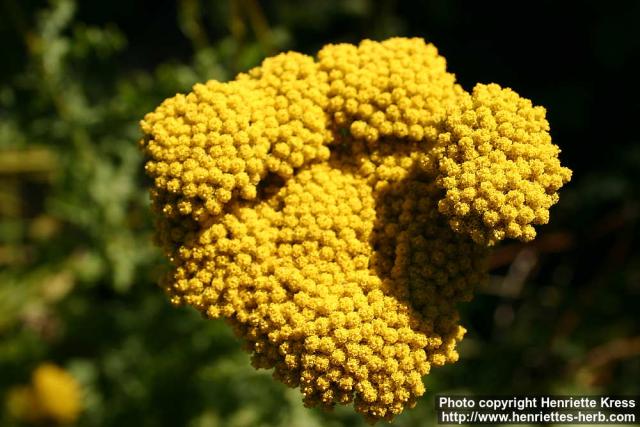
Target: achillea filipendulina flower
336,211
53,396
499,169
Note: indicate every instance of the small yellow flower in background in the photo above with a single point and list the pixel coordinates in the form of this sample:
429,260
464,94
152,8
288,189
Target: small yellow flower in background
336,210
53,396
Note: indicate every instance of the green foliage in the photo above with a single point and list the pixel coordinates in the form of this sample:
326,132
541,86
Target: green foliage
78,267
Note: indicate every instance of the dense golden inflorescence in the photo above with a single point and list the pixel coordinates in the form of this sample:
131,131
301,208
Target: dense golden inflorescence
500,171
53,397
398,88
336,211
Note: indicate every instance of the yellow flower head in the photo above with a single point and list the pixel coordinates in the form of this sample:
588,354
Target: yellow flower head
317,205
53,396
499,169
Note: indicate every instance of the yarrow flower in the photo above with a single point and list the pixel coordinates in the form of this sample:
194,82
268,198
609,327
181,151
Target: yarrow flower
335,210
52,398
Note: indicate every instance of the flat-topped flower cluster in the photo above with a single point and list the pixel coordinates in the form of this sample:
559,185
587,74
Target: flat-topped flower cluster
336,210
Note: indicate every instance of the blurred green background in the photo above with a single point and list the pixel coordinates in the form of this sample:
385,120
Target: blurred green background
78,269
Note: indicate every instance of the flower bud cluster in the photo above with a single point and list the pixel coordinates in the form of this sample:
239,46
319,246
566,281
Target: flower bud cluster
499,169
335,212
220,140
397,88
